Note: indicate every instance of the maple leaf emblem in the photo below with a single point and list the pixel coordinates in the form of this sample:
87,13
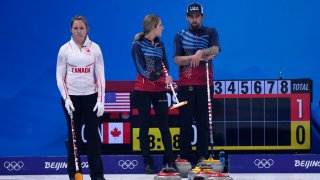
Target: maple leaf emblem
115,132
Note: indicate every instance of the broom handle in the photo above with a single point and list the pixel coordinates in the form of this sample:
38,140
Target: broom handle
209,108
170,84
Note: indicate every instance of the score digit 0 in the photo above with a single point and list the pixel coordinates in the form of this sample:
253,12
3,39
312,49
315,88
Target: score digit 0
300,134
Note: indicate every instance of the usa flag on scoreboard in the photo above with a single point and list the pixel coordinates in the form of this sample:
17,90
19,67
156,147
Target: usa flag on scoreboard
117,102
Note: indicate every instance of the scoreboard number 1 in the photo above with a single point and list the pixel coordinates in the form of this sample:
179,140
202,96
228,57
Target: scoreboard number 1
300,107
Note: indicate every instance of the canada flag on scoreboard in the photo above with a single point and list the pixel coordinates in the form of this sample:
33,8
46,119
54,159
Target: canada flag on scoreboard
116,133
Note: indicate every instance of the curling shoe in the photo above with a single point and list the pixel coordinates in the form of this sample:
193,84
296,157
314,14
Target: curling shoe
149,169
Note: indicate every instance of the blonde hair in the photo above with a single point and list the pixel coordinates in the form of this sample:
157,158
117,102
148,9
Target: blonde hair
149,22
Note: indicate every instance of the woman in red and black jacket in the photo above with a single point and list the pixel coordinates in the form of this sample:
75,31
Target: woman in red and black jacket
149,54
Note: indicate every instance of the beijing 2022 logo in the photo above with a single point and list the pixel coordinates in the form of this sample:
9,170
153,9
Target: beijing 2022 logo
13,165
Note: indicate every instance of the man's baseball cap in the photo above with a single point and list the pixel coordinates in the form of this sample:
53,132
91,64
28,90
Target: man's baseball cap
195,7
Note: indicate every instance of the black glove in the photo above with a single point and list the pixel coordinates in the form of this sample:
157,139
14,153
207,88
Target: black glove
155,75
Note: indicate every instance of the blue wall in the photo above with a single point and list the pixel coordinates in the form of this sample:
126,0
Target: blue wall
258,38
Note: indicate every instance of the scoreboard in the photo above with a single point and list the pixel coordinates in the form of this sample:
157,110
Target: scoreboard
247,115
262,114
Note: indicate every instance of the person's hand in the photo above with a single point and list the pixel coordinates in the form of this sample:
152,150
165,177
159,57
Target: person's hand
99,107
68,105
169,79
208,57
196,58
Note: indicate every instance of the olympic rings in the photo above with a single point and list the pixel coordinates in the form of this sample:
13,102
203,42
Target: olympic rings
13,165
263,163
128,164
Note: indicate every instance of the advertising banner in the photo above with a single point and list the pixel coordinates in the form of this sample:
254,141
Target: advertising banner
113,164
274,163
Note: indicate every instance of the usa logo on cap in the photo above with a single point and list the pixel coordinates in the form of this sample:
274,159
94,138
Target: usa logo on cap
195,7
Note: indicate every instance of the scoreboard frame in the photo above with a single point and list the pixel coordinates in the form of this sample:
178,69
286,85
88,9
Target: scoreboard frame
276,114
263,115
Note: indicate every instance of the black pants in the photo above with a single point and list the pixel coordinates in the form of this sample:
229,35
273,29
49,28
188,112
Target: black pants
196,109
84,114
159,101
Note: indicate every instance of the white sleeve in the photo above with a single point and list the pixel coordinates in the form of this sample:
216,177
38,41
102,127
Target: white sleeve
61,73
99,73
